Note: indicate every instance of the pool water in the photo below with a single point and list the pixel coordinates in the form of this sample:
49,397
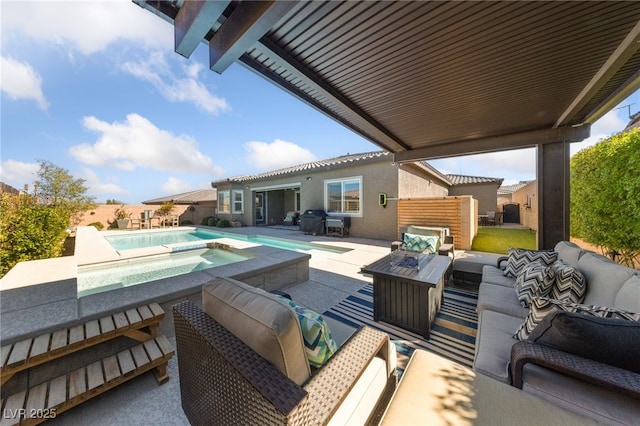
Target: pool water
96,279
151,239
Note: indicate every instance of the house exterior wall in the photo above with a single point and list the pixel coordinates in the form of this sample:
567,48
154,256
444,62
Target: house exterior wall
486,194
527,198
412,184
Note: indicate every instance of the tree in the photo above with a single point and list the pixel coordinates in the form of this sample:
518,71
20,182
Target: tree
57,188
34,226
605,195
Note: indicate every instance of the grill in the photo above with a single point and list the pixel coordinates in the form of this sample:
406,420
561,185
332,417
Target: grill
338,223
312,221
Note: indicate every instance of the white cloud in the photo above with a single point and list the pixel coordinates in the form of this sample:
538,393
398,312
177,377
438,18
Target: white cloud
21,81
96,186
277,154
156,70
139,143
512,165
176,186
18,173
86,26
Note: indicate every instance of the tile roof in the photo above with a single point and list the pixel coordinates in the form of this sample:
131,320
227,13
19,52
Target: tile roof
192,197
509,189
312,166
471,180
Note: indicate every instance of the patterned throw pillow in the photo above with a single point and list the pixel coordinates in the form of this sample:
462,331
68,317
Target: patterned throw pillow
542,306
535,279
420,243
518,258
318,343
569,283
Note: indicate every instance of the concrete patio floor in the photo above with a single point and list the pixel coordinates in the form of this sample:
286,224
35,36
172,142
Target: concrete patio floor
333,276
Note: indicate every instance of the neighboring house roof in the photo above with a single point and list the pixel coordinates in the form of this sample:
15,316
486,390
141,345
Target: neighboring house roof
509,189
9,189
192,197
634,121
473,180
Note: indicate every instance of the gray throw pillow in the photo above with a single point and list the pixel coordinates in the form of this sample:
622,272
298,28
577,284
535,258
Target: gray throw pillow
535,279
608,340
518,258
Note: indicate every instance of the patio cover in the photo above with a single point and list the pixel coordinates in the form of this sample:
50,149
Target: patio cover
428,80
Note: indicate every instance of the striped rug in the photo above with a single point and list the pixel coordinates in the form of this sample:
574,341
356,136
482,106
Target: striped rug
453,334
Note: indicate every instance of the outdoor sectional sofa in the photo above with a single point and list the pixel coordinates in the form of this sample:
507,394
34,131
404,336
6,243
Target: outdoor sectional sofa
242,360
546,363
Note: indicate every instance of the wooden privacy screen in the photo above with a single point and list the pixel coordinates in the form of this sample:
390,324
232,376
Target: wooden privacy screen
448,212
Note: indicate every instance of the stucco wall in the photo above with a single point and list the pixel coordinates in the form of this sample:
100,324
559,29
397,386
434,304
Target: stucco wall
486,194
528,215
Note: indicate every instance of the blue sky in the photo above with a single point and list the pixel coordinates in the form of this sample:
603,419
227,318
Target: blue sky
96,88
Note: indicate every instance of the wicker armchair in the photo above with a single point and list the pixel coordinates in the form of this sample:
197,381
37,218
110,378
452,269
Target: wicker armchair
223,381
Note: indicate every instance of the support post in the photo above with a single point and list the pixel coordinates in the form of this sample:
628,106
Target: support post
553,194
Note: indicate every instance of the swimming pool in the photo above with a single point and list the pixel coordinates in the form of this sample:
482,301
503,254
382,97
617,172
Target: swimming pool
108,276
180,239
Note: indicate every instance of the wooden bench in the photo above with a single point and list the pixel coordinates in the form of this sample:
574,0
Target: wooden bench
52,397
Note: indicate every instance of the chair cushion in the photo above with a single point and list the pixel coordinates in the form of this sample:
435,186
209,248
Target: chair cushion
318,342
534,279
607,340
518,258
262,321
569,283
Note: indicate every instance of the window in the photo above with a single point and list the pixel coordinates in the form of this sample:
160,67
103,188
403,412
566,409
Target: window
224,205
344,196
238,202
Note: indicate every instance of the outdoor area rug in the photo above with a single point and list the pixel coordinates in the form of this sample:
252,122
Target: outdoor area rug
453,334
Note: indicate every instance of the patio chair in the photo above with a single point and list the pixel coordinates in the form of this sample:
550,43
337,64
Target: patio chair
242,360
292,218
494,218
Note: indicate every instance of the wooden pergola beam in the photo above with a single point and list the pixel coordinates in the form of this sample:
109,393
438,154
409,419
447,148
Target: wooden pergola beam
193,21
249,22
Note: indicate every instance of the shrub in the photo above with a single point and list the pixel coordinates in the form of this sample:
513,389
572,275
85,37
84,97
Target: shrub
605,206
98,225
224,223
213,221
205,220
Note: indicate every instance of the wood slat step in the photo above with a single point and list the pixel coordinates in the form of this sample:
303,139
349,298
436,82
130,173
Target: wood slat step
64,392
29,352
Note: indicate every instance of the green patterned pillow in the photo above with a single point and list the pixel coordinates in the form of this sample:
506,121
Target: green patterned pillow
318,343
420,243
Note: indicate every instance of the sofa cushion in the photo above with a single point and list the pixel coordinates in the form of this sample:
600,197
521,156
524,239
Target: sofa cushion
607,340
493,344
534,279
262,321
569,283
518,258
628,298
569,252
500,299
493,275
604,278
420,243
318,341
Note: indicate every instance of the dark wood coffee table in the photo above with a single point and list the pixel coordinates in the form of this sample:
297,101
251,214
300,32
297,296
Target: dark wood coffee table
409,297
